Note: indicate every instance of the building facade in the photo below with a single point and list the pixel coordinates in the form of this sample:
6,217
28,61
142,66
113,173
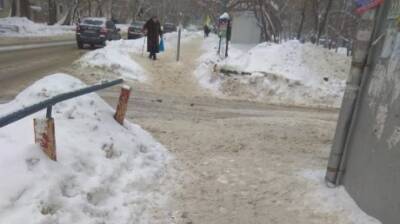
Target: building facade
245,28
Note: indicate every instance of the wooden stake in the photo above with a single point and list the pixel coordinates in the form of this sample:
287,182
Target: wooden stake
122,104
45,136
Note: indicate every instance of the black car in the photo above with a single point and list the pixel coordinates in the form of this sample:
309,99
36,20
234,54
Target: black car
169,28
135,30
96,31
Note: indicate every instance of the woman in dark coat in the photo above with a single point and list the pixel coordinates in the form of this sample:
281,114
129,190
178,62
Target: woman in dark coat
152,29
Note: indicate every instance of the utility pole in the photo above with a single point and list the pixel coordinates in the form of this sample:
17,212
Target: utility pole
178,51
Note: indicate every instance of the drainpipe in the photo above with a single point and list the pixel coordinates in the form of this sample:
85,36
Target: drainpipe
359,70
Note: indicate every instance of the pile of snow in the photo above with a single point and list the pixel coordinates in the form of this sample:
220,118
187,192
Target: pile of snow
329,200
117,56
23,27
105,173
123,27
288,73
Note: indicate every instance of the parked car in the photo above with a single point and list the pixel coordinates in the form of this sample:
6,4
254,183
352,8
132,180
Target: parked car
96,31
135,30
169,27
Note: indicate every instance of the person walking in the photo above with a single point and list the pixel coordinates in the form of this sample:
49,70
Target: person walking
207,30
152,28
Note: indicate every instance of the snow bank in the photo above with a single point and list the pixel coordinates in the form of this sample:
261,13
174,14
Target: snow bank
288,73
116,57
124,27
328,200
23,27
106,173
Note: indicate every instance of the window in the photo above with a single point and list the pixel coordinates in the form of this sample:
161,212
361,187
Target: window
1,4
92,22
110,25
60,9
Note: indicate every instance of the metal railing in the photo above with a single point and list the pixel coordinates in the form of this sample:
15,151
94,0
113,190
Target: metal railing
49,103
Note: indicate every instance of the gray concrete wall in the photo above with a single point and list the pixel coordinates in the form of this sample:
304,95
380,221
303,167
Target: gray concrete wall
245,29
372,165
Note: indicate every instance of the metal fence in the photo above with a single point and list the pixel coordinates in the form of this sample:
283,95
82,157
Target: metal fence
49,103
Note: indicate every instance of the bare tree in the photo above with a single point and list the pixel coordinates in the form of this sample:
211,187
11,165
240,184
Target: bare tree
324,20
21,8
52,7
303,17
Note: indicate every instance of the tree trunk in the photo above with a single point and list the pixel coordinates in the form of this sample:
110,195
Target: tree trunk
324,20
24,8
90,8
303,16
316,17
52,12
14,8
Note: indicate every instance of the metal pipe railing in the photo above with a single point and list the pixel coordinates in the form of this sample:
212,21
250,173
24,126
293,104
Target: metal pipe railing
49,103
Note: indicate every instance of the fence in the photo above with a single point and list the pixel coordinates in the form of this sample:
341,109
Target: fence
44,128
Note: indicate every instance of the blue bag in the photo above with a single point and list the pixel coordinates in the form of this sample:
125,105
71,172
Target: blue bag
162,47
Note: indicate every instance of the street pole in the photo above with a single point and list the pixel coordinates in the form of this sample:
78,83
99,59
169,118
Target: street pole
178,53
228,38
219,45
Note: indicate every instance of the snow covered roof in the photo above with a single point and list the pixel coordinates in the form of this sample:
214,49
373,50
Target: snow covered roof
95,18
224,16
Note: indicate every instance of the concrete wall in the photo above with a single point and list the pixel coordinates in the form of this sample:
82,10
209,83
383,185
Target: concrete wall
372,165
245,29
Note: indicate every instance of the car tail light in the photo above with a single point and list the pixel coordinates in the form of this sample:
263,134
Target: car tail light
103,30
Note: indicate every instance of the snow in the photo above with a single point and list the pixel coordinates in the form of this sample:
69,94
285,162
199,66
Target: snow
333,199
117,56
224,16
105,173
290,73
342,50
124,27
23,27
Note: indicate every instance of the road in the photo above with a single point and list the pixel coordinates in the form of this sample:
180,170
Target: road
19,68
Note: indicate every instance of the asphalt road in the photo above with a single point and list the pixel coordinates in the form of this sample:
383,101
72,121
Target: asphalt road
20,68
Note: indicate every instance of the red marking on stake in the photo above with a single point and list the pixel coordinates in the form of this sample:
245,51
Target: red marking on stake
45,136
122,104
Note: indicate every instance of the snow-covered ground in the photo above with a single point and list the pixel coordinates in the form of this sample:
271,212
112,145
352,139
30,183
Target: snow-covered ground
333,199
23,27
117,57
105,173
288,73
